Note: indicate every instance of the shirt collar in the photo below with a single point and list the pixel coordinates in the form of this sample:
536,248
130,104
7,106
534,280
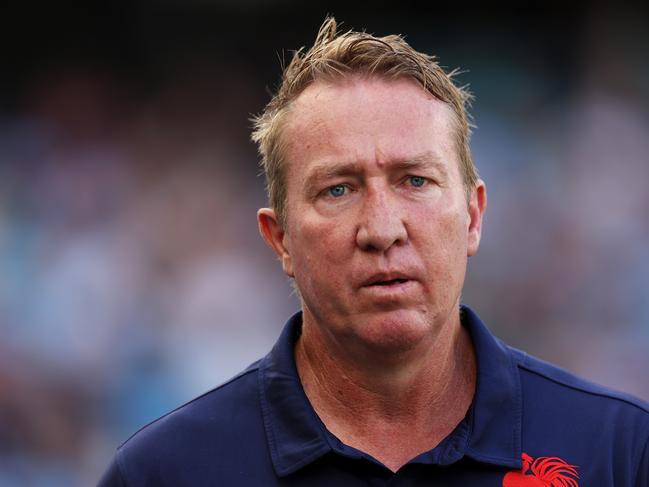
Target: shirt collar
497,405
297,437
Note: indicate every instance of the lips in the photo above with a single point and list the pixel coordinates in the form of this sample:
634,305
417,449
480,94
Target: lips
386,279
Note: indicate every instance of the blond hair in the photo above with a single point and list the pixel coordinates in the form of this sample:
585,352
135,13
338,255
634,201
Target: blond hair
335,55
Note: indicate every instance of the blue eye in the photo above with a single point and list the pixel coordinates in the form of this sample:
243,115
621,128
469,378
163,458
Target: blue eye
417,181
337,191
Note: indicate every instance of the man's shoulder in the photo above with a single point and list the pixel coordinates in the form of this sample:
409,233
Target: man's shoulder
208,425
218,435
547,381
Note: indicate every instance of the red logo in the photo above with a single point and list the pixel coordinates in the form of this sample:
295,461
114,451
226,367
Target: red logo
542,472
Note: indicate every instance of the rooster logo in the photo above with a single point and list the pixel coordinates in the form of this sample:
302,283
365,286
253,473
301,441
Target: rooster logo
542,472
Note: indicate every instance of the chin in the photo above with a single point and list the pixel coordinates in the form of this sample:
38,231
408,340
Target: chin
396,331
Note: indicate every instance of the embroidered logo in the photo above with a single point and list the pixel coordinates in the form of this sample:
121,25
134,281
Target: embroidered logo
542,472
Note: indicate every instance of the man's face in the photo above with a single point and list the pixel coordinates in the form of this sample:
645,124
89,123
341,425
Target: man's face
378,227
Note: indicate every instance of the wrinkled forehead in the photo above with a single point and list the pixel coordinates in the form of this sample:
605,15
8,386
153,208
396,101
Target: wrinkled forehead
357,118
325,95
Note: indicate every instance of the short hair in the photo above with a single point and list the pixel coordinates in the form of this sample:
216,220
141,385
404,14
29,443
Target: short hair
335,55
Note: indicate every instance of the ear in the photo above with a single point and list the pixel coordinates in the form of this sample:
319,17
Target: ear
477,207
275,237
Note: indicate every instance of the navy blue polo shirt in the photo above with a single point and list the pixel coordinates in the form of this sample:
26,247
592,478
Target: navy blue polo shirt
530,423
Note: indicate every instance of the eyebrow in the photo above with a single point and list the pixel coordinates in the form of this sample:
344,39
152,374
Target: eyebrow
425,160
325,170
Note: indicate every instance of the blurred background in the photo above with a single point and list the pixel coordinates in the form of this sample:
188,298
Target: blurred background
132,277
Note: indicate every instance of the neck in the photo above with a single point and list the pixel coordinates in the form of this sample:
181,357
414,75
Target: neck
390,406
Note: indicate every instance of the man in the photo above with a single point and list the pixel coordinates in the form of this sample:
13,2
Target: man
383,378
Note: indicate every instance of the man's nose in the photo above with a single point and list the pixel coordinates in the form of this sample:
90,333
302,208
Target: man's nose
381,223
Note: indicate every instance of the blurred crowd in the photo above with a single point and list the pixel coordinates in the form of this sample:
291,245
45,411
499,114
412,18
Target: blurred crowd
132,274
133,278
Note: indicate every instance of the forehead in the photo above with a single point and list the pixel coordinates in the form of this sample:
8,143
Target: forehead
364,119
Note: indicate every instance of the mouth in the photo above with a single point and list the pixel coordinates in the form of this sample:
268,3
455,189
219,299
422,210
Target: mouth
390,282
386,280
387,290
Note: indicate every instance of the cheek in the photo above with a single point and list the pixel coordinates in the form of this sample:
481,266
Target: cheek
443,239
321,252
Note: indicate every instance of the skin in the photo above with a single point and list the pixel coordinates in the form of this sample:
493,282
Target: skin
377,237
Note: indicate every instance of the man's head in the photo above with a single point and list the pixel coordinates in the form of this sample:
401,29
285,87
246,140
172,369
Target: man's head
378,217
336,56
